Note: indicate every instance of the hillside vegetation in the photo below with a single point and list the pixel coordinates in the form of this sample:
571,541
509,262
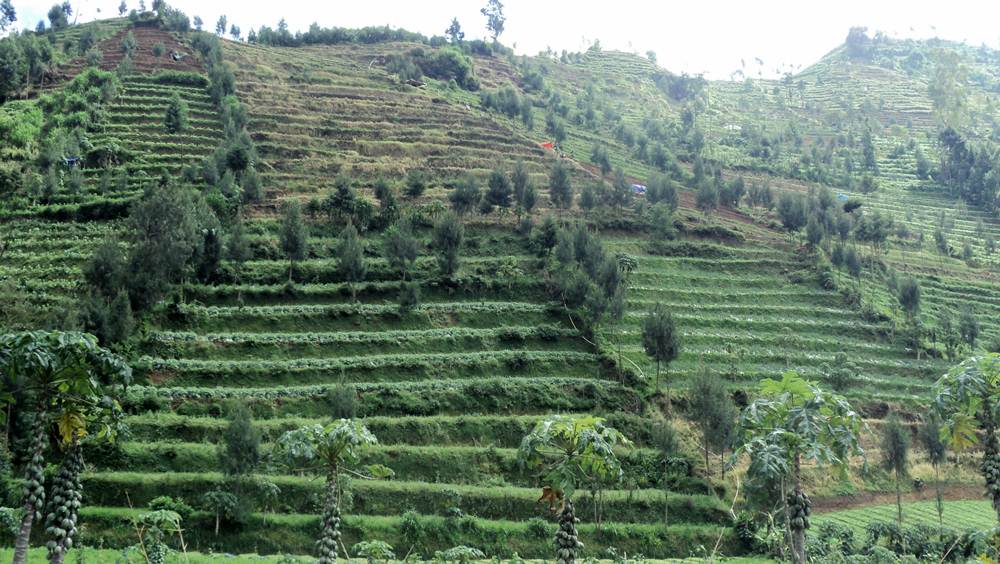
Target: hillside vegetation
461,248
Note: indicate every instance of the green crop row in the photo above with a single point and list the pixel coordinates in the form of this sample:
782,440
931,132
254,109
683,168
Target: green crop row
469,430
167,343
355,309
369,368
289,534
482,466
367,497
325,270
365,292
485,396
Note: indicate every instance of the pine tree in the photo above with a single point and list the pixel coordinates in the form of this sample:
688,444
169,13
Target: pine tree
498,191
447,243
351,260
714,413
176,118
560,189
895,457
294,235
239,451
661,340
400,248
465,197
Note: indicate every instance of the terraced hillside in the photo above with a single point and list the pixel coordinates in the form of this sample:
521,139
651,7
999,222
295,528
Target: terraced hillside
826,108
449,389
45,246
40,264
320,111
960,515
749,312
451,386
156,50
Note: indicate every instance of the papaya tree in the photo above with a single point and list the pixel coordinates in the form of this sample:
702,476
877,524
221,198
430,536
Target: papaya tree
63,383
794,420
330,449
967,400
567,452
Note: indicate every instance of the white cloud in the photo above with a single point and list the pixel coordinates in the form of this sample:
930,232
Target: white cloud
708,36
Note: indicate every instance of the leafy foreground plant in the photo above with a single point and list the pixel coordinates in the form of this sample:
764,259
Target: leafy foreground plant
968,402
67,382
331,448
791,421
569,451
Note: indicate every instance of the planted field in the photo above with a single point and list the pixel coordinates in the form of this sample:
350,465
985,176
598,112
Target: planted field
449,388
757,312
958,515
40,267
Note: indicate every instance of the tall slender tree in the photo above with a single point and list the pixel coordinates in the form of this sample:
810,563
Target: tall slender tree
400,248
661,340
712,410
495,19
560,189
454,32
895,457
937,451
447,243
351,259
294,235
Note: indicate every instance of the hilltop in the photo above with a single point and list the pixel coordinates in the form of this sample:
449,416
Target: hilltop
776,220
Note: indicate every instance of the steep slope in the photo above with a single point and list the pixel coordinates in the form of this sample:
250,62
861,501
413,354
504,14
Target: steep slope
324,110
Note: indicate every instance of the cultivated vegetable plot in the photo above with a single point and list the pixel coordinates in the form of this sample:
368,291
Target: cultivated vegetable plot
958,515
746,317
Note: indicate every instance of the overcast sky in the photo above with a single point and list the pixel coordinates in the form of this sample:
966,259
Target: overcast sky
706,36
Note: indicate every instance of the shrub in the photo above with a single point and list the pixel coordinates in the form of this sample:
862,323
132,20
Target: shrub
416,183
167,503
342,400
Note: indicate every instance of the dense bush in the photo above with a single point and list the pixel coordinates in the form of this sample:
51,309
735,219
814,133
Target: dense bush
446,64
680,87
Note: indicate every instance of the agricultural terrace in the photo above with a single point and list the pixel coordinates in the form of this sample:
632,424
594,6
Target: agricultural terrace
320,111
451,380
449,389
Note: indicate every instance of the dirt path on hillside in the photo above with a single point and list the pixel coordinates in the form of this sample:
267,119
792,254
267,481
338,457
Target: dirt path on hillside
953,492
